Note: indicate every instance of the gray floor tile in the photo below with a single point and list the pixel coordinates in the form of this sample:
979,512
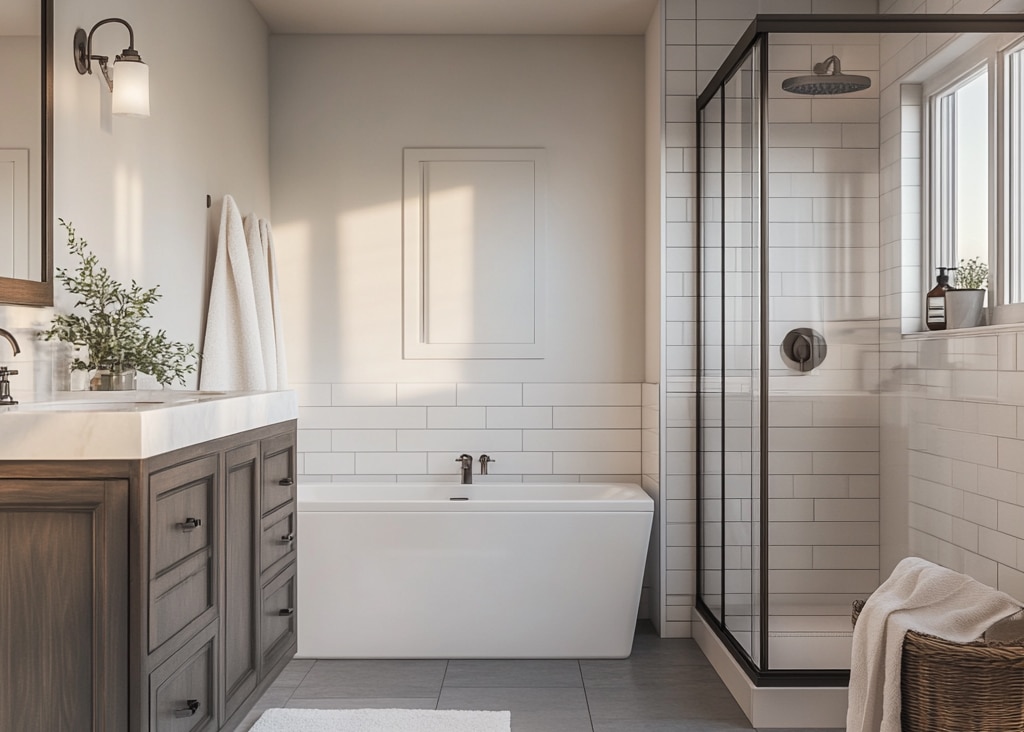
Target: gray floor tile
666,685
698,701
637,673
274,697
513,673
648,648
671,725
372,679
533,710
415,703
294,673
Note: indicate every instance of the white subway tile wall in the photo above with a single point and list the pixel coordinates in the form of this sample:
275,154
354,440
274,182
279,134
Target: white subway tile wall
534,432
953,429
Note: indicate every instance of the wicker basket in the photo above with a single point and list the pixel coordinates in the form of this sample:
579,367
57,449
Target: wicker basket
960,687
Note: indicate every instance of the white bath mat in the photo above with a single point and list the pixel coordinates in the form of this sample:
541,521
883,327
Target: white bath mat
381,720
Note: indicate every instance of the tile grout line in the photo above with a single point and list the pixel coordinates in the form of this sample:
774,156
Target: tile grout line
444,677
586,696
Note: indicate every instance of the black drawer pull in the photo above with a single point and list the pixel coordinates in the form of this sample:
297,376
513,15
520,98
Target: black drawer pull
288,539
190,523
286,482
192,706
285,612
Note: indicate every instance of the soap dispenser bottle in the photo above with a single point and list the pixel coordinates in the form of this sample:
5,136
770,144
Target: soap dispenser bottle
935,301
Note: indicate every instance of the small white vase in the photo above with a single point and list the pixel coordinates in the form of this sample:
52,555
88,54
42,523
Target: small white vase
965,308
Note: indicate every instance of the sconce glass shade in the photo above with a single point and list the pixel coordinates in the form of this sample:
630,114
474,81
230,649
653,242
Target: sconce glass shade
131,88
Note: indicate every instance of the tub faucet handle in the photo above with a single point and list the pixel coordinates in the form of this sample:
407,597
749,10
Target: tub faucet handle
484,459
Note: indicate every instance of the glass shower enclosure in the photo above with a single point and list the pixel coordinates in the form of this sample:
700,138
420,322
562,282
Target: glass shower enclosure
793,243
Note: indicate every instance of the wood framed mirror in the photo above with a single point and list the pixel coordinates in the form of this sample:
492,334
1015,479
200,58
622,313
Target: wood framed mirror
26,152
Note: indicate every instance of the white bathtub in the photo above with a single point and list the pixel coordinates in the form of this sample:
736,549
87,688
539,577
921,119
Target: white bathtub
515,571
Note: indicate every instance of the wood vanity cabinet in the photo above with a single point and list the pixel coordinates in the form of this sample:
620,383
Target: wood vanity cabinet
151,595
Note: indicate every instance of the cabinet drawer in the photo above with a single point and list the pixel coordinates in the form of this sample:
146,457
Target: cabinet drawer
278,537
181,512
278,612
182,690
179,597
278,471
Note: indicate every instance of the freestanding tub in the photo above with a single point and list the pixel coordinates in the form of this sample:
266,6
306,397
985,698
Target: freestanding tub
491,570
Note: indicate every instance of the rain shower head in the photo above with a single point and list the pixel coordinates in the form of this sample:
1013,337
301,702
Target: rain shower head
823,82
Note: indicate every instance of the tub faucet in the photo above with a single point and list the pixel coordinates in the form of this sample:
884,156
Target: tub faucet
467,468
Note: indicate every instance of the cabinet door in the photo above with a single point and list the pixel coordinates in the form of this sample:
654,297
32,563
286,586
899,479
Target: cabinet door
240,609
63,605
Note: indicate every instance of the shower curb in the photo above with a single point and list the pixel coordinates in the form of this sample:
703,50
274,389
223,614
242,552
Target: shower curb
803,707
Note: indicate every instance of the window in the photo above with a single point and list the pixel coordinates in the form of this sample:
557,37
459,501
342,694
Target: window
1014,125
975,164
960,171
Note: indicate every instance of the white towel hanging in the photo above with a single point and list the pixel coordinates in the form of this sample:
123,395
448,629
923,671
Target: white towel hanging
232,351
261,296
267,238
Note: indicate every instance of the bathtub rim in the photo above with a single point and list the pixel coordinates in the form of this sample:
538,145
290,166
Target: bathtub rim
373,497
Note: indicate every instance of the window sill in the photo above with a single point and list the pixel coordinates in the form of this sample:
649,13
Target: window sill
981,330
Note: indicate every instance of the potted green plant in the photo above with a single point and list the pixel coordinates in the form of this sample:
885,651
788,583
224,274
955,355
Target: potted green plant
117,343
965,303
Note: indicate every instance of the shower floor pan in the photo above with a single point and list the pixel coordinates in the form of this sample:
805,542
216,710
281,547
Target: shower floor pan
801,636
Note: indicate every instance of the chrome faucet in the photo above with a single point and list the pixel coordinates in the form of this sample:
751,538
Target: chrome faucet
5,385
467,468
484,459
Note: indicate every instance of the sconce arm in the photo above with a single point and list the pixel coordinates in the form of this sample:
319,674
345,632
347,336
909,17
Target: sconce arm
84,55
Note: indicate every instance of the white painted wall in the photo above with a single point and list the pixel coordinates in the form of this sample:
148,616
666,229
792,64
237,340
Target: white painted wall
136,188
344,107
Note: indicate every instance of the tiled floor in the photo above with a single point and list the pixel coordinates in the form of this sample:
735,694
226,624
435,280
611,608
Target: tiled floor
665,685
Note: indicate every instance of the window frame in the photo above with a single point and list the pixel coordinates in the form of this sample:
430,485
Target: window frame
992,56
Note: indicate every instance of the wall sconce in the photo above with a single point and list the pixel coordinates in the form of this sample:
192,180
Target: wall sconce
131,93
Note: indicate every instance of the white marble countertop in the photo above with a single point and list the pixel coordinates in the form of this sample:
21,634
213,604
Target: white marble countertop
135,424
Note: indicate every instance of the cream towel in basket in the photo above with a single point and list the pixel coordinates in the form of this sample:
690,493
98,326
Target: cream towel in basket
918,596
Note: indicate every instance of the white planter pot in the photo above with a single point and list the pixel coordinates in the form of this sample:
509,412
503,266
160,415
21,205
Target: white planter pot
965,308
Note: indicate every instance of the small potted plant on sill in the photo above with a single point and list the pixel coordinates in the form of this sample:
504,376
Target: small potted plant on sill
117,344
965,303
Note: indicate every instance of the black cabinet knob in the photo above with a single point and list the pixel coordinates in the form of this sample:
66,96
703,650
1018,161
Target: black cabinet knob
288,538
286,482
191,707
190,523
285,612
